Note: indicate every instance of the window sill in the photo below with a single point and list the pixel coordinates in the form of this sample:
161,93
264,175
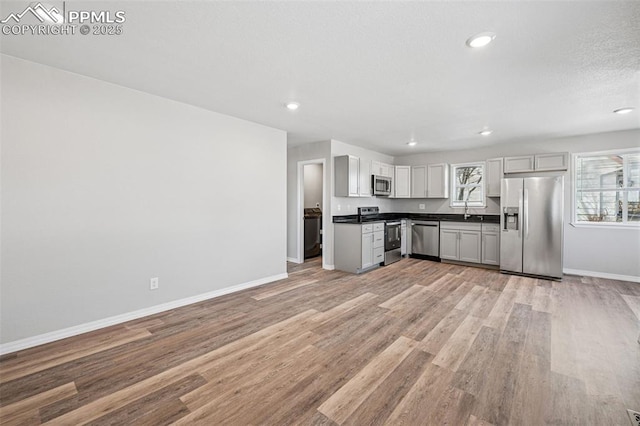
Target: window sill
605,225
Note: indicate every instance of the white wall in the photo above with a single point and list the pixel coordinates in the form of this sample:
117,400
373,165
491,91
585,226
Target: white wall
104,187
313,186
594,250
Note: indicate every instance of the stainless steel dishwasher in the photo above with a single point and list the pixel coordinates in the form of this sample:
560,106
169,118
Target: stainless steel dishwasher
425,239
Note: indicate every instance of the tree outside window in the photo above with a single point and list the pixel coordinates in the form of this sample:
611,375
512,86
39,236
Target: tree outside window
467,185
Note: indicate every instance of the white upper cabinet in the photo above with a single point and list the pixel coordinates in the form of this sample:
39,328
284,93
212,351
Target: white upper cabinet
418,181
438,180
364,188
381,169
494,175
519,164
386,170
376,168
537,162
403,182
554,161
347,176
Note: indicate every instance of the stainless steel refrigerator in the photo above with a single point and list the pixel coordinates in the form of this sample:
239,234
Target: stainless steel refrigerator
531,226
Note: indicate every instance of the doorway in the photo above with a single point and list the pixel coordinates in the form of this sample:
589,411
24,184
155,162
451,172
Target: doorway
311,208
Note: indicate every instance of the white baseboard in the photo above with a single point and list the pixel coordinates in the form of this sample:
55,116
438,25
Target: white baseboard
329,267
293,260
30,342
630,278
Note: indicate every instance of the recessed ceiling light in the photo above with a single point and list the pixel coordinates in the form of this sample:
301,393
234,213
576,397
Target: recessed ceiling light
626,110
293,106
481,39
412,143
486,132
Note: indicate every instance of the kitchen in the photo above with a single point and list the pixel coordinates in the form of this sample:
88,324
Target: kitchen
582,244
466,238
154,266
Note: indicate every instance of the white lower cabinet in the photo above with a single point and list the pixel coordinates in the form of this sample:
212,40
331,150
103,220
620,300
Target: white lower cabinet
358,247
470,246
367,250
463,242
378,243
491,244
449,245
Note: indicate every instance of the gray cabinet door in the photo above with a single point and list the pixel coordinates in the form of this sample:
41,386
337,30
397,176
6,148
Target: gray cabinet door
367,250
418,181
470,246
520,164
403,182
554,161
438,181
347,176
494,176
364,170
449,247
491,248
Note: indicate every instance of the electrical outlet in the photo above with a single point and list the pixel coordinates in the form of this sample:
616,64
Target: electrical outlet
153,283
339,207
421,206
318,205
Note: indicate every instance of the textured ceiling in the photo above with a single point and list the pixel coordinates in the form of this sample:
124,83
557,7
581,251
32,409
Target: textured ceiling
374,74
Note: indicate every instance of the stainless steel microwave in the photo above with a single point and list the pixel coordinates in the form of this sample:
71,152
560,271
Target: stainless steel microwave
381,185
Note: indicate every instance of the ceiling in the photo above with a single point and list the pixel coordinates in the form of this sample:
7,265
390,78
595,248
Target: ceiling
373,74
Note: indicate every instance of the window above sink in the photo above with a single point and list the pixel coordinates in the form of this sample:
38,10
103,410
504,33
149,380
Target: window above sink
467,185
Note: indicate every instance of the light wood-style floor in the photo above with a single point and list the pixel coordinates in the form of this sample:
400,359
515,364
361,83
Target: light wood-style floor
413,343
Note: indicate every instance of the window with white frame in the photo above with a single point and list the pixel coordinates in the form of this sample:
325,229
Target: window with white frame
607,188
467,186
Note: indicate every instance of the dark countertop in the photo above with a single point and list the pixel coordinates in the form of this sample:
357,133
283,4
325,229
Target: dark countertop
443,217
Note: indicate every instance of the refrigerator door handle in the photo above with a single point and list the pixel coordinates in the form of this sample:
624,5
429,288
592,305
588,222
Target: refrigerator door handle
526,213
519,225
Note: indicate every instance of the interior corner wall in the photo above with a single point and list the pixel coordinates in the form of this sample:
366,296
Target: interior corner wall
104,187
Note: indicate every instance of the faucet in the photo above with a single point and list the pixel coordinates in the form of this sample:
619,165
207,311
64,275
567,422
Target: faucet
466,211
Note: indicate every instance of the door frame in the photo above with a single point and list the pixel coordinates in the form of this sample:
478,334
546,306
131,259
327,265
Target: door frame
300,207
